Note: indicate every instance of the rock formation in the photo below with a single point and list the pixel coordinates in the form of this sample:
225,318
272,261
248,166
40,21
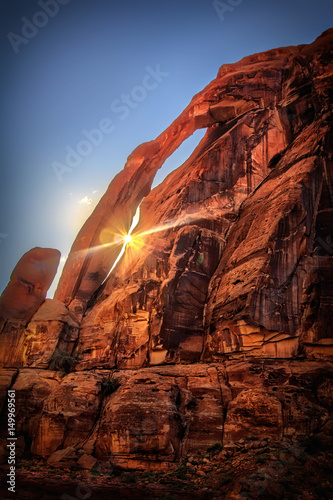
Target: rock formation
217,321
29,282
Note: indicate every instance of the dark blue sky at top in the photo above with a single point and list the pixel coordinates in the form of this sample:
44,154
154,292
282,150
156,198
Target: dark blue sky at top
72,73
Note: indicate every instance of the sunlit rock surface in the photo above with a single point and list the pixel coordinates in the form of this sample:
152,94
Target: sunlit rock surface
233,252
20,301
51,328
29,282
217,321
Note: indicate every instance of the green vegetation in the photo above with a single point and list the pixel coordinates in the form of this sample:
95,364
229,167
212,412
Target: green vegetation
128,477
62,361
109,385
181,472
150,477
215,449
95,472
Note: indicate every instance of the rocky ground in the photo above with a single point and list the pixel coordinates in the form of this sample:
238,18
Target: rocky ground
246,469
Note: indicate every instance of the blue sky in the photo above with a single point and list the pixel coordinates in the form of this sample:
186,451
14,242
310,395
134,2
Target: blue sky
68,66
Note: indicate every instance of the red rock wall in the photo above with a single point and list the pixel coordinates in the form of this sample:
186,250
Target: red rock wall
235,235
229,271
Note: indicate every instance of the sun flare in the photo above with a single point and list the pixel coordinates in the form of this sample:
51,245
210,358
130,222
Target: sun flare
127,239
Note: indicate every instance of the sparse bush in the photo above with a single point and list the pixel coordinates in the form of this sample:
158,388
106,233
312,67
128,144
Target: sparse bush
95,472
261,451
181,472
109,385
128,477
261,459
215,449
62,361
150,477
55,471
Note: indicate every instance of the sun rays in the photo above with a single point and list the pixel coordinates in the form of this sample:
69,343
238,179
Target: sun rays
127,244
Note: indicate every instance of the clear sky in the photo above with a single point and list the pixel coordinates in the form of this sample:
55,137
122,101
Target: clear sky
125,67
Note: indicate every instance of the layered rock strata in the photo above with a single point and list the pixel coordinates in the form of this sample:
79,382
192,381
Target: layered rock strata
159,415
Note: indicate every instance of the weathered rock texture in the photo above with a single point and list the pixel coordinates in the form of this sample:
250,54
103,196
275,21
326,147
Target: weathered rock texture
159,415
232,253
231,264
29,282
51,328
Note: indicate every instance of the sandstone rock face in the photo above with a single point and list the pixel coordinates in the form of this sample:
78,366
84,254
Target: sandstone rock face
232,251
52,328
217,321
264,279
158,319
28,284
159,415
68,415
22,298
249,129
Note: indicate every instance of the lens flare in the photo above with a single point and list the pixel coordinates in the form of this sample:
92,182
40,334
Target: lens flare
131,242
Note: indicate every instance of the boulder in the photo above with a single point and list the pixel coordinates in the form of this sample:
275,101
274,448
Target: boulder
29,282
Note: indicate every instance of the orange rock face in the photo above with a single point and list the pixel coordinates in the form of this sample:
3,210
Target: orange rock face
218,318
233,247
29,283
159,415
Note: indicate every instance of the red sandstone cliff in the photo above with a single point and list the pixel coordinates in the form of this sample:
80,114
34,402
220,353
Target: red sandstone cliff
231,263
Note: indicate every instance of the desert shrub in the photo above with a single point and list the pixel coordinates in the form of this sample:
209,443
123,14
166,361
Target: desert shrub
181,472
215,449
95,472
150,477
109,385
128,477
62,361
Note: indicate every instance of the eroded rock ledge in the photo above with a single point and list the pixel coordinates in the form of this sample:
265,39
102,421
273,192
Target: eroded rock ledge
159,415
